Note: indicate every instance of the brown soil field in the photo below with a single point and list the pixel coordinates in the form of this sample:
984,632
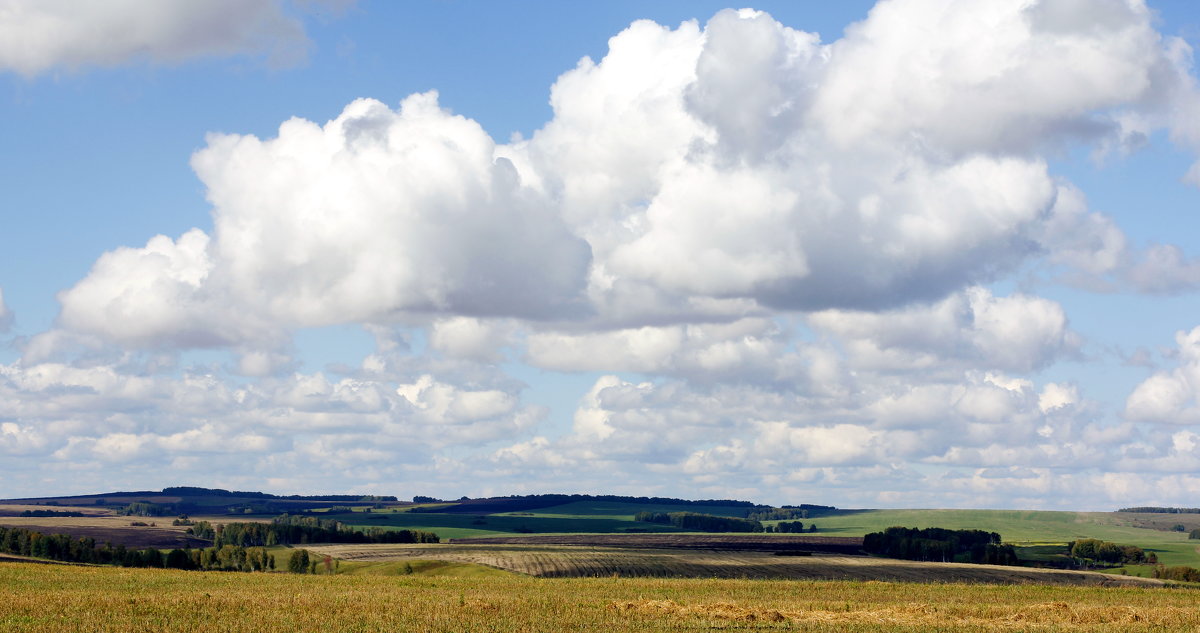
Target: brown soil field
559,561
738,542
110,529
15,509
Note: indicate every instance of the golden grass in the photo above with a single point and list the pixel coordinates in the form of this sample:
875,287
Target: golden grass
45,598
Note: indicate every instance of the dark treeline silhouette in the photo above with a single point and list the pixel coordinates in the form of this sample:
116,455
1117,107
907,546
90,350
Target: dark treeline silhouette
700,522
938,544
777,514
789,527
1161,510
196,491
298,530
147,509
63,547
51,513
531,502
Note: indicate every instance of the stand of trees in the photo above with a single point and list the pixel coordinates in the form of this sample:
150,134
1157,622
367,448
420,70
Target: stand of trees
51,513
701,522
63,547
147,509
778,514
790,527
938,544
1183,574
1092,551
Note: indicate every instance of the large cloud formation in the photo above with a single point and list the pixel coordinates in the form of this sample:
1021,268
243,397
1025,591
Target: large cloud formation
691,174
791,241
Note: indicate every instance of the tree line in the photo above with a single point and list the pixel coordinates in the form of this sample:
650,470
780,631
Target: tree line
700,522
51,513
1160,510
298,530
66,548
778,514
196,491
939,544
1091,551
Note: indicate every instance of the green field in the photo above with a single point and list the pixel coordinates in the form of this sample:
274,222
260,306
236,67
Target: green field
1022,527
52,598
626,511
469,525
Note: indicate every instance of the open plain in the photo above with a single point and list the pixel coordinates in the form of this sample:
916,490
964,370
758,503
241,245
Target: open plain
54,598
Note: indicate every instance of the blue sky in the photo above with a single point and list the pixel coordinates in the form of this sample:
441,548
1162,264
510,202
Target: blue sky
943,257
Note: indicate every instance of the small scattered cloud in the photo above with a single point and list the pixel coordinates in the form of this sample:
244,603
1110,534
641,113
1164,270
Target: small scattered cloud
39,36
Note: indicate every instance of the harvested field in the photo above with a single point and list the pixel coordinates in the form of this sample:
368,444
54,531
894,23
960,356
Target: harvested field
111,529
556,561
15,509
46,599
740,542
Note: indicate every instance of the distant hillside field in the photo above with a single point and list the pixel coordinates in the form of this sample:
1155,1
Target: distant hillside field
1023,527
567,561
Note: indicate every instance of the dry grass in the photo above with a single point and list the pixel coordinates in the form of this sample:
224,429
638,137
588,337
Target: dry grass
572,561
1006,617
45,598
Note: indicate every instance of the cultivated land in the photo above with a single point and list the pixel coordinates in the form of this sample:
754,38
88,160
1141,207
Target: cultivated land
590,536
573,561
53,598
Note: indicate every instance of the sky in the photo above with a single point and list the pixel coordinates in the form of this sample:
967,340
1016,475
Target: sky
918,253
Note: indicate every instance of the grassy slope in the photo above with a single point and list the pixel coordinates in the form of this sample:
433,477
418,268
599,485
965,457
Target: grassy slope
1024,527
1015,526
581,561
44,599
557,520
626,511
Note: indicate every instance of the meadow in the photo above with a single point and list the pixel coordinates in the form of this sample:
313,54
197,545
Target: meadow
1034,529
38,598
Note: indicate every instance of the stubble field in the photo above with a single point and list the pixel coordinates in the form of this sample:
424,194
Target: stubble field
45,598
